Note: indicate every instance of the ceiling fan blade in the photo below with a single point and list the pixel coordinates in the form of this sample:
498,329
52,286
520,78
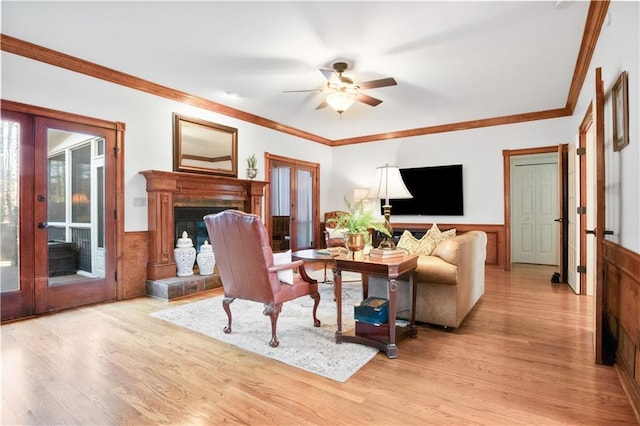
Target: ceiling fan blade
327,73
307,90
323,104
366,99
383,82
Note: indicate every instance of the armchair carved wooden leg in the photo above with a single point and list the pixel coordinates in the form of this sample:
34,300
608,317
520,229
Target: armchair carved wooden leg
225,305
273,311
316,302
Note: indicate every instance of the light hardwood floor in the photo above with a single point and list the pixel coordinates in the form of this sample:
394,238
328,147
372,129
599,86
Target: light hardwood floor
524,355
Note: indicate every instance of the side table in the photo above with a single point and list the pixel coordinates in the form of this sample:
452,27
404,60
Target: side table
383,336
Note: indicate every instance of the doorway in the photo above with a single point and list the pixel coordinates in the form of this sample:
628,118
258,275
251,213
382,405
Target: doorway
57,213
554,216
292,212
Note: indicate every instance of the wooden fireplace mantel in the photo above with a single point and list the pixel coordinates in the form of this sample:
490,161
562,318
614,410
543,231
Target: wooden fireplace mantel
166,190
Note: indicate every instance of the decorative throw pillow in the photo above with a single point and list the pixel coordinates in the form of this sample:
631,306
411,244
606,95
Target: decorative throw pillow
424,245
285,276
407,242
438,236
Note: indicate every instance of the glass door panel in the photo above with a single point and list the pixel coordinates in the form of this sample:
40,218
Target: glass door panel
16,209
73,254
304,214
9,206
280,207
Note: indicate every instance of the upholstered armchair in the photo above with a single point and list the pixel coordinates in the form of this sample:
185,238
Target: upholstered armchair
333,237
249,271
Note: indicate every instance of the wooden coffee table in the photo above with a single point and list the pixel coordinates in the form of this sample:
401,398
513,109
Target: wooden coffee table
383,336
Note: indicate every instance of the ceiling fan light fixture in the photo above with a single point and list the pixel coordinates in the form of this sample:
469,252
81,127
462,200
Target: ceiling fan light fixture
341,100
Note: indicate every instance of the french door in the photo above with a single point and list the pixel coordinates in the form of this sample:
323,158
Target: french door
292,213
57,214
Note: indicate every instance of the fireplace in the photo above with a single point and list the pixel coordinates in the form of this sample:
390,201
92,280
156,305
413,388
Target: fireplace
197,193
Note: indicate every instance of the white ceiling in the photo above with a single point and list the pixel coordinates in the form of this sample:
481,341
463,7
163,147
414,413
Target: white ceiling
453,61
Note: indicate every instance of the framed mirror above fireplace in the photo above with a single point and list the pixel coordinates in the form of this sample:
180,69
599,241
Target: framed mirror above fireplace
200,146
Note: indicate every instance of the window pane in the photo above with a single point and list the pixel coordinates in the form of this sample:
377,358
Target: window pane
81,185
304,216
57,189
100,202
9,207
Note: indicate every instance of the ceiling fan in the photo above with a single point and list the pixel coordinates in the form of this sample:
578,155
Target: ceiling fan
342,91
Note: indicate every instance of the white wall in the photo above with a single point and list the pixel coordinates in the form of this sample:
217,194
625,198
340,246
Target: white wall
618,49
478,150
148,142
148,119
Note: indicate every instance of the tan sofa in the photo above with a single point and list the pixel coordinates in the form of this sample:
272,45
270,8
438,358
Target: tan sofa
450,281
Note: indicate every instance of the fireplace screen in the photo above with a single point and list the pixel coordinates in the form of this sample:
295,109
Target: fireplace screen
190,219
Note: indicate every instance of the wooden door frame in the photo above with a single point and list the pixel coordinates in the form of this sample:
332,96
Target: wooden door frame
119,129
507,154
294,163
585,125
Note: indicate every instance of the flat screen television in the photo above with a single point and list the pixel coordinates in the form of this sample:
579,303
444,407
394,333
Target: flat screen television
437,191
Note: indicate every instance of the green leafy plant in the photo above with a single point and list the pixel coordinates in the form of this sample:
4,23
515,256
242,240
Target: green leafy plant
358,219
252,162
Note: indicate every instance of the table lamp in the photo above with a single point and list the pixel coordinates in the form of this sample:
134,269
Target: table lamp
387,184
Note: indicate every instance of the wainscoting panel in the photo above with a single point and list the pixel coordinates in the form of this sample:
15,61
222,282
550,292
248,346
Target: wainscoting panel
132,277
622,284
496,254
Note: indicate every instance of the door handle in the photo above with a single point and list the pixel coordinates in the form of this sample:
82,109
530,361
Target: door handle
42,225
558,220
42,198
593,232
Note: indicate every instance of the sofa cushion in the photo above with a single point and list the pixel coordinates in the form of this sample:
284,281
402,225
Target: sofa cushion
432,269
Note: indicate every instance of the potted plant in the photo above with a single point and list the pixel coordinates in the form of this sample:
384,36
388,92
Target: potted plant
358,222
252,171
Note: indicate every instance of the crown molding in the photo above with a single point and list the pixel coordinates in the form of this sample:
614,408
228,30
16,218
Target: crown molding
595,19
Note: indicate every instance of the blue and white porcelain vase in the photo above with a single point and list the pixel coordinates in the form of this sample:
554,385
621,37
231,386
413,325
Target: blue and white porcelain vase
206,259
184,255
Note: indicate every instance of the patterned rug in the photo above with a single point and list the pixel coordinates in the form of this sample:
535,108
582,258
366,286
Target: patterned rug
301,344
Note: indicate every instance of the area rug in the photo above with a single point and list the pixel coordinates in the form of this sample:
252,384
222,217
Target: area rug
301,344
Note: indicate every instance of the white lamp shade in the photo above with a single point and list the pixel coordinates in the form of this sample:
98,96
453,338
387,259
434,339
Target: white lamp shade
388,183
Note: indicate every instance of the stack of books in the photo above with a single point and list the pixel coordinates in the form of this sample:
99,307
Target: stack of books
377,254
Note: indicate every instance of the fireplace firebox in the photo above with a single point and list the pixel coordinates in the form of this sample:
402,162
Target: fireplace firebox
190,219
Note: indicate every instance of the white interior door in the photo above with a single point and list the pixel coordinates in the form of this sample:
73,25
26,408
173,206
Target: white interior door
535,208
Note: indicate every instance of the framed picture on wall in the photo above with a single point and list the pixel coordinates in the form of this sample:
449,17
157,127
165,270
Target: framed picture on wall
620,105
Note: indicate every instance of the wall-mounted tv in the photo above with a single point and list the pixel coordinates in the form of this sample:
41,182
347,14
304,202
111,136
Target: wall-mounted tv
437,191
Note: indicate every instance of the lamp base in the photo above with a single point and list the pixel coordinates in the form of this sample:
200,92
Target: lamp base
387,244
